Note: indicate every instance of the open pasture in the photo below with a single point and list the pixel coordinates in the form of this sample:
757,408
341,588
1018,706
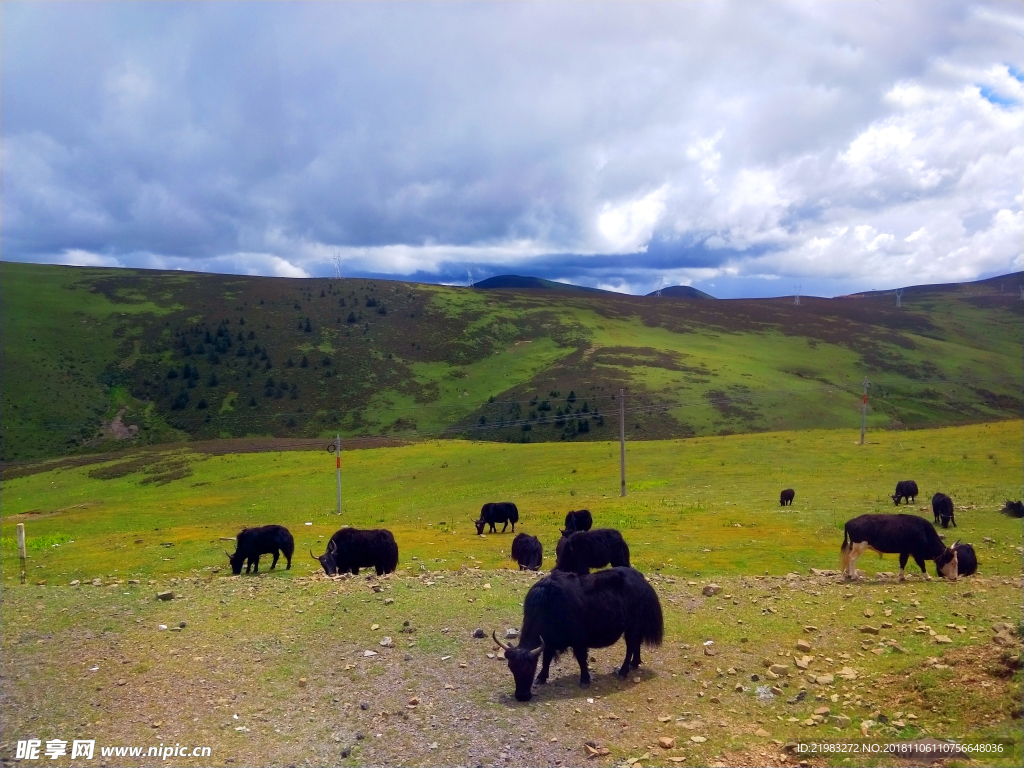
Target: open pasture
698,510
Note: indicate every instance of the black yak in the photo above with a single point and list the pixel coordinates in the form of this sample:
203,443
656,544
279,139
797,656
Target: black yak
966,560
580,520
265,540
497,512
1013,508
527,551
786,497
579,552
908,535
942,509
563,611
905,489
350,549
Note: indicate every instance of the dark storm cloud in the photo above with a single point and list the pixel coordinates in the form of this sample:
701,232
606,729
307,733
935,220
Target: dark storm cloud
616,144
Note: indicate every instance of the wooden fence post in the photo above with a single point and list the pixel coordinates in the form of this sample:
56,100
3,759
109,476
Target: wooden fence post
21,549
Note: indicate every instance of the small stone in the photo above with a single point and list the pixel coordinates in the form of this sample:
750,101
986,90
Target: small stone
840,721
41,583
762,733
776,690
359,734
942,639
803,646
810,628
754,678
388,600
709,651
122,681
302,682
666,742
75,583
823,711
346,751
715,700
664,718
511,633
779,669
168,595
161,626
367,654
387,642
869,612
374,626
414,701
479,634
698,739
711,589
97,582
363,705
824,679
869,630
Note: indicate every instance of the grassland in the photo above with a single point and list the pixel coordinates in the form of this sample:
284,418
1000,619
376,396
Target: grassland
199,357
698,510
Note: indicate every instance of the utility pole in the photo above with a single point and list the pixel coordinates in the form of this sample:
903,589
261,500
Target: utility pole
622,441
796,297
335,448
21,548
864,409
899,297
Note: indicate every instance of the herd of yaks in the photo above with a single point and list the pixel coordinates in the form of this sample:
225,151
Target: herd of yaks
573,608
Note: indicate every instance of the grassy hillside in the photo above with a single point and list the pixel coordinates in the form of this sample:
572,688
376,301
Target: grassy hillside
272,669
95,359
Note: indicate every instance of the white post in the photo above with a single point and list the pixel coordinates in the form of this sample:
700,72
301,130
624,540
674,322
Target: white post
337,453
21,548
622,441
864,409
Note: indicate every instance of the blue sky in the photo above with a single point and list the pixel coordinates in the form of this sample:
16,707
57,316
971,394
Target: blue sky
835,146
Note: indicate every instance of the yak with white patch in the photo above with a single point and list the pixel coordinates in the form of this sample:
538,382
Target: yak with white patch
942,509
351,549
563,611
264,540
966,560
497,512
527,551
906,535
905,489
579,552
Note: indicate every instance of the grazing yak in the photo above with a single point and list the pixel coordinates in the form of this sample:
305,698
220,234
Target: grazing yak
563,611
497,512
580,520
907,535
265,540
350,549
942,509
527,551
966,560
1013,508
786,497
579,552
905,489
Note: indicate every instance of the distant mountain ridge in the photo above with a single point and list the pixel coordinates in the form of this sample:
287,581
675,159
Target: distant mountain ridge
681,292
520,282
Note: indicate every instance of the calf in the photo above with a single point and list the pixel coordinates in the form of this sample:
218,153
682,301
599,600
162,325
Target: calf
907,535
253,542
942,509
497,512
527,551
966,560
1013,508
580,520
563,611
905,489
786,497
579,552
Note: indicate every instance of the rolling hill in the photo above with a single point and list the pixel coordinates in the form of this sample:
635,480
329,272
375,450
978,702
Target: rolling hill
96,359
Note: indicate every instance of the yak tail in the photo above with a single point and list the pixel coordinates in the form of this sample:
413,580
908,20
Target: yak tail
1013,508
391,559
844,550
652,623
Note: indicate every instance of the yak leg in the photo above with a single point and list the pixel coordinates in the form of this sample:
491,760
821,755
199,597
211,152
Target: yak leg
273,565
355,570
855,551
904,556
581,658
952,519
920,564
542,676
505,526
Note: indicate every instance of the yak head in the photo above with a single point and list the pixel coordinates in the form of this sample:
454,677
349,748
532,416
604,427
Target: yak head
947,564
237,560
523,664
896,499
479,526
328,559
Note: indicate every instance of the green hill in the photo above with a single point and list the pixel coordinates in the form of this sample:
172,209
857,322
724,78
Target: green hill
96,359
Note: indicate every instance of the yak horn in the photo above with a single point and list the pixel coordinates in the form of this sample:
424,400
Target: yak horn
228,554
539,650
314,556
494,634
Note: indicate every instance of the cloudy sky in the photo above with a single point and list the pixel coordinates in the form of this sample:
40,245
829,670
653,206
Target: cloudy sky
743,148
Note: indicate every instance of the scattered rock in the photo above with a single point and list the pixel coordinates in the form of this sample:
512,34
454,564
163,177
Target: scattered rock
840,721
869,612
779,669
367,654
363,705
302,682
666,742
75,583
942,639
810,628
825,679
869,630
762,733
511,633
122,681
388,600
374,627
414,701
698,739
709,651
168,595
479,634
803,645
387,642
711,589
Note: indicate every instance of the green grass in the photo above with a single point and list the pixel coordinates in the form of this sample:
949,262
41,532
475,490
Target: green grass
698,510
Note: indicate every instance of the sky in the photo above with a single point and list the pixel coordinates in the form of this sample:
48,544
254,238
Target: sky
745,149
